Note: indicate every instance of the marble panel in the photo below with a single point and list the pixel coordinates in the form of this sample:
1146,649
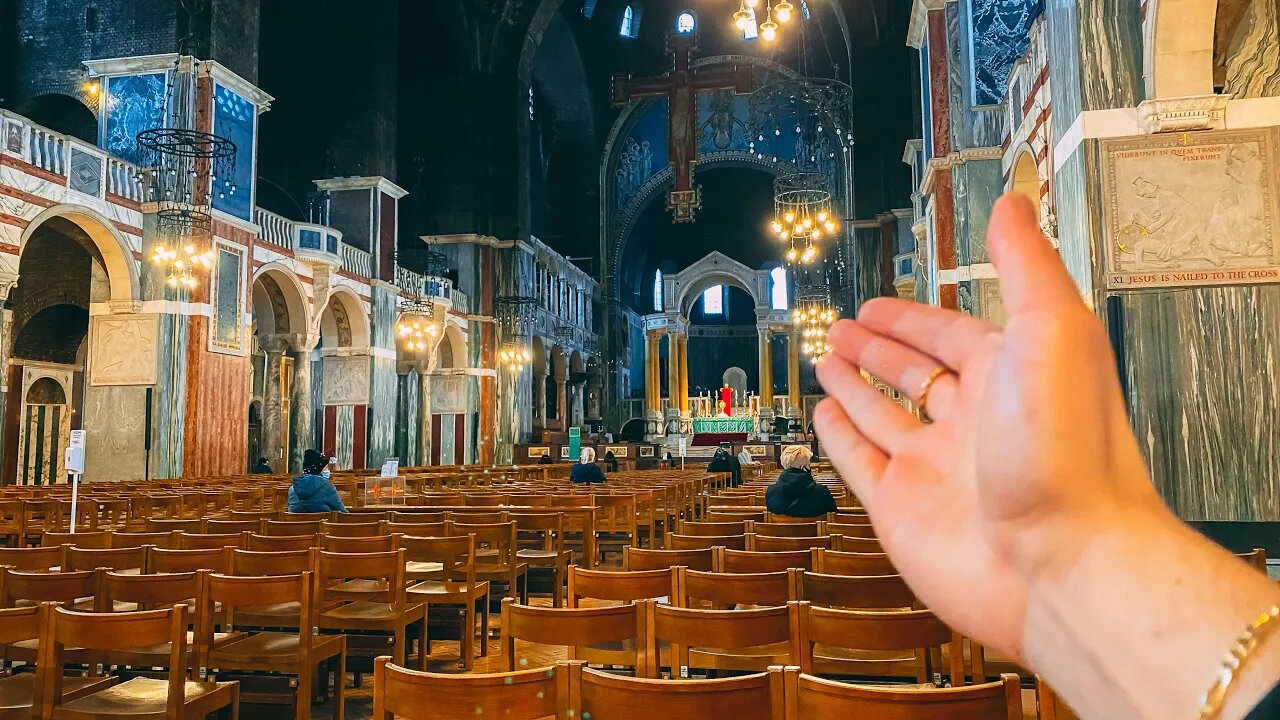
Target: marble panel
1253,69
408,419
86,172
978,184
236,119
382,412
132,103
346,380
344,436
1199,370
115,444
123,350
998,37
1071,201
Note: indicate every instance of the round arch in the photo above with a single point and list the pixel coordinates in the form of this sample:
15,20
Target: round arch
1178,48
539,351
344,322
1025,178
279,301
693,290
455,343
117,254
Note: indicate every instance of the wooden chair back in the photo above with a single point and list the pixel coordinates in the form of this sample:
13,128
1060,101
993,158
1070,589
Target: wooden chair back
727,590
721,630
857,544
1256,557
626,586
412,695
918,632
139,539
344,544
855,592
576,629
1051,706
287,516
607,695
724,515
752,561
190,526
769,543
32,558
789,529
360,516
132,558
455,555
336,567
424,529
711,529
248,592
645,559
278,543
99,539
478,518
813,697
700,542
350,529
222,527
277,562
416,518
835,562
292,527
160,560
146,591
852,530
206,541
499,538
37,587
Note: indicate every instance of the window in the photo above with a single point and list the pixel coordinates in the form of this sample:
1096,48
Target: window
750,30
530,102
630,27
686,23
588,8
778,289
713,301
657,291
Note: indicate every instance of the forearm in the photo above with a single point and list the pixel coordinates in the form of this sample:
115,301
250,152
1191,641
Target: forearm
1138,625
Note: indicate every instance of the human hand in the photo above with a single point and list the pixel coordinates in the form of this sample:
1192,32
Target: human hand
1029,450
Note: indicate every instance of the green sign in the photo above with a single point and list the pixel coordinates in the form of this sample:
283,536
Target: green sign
575,443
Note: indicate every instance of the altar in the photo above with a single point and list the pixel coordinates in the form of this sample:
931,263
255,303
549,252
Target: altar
723,424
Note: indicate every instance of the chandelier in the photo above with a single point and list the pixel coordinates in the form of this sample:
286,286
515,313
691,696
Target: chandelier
417,323
803,214
515,315
776,15
812,317
182,169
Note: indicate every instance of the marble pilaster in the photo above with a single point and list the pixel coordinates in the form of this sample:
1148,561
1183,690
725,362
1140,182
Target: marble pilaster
302,413
273,406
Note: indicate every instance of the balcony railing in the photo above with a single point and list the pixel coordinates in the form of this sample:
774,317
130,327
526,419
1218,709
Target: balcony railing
356,261
83,167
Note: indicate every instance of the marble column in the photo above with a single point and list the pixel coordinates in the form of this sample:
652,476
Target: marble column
684,374
766,367
539,402
301,407
793,375
562,402
275,347
653,382
424,397
673,370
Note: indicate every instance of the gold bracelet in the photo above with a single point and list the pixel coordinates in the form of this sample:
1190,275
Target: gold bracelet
1245,644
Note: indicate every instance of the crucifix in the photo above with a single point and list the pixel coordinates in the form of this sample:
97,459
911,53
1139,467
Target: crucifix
681,87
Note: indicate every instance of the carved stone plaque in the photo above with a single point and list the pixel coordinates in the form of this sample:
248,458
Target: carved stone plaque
1185,209
123,350
449,394
346,380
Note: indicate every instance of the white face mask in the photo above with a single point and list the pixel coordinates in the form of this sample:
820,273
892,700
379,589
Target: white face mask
325,473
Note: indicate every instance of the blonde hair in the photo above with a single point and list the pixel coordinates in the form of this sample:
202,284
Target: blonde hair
796,456
588,455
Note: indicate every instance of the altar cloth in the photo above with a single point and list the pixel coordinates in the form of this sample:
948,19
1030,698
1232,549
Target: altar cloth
740,424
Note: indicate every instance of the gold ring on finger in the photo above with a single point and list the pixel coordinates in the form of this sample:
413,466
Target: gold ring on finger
925,387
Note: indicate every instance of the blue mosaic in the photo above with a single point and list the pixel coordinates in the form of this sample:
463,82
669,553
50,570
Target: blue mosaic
235,118
309,239
331,243
1000,32
133,103
722,122
643,152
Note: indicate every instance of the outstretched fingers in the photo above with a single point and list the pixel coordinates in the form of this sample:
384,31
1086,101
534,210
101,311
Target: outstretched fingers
912,372
860,462
950,336
876,417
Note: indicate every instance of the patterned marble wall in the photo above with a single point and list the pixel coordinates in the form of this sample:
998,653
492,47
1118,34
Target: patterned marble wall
998,39
868,276
978,184
169,401
236,119
115,447
215,441
1201,380
132,103
408,419
382,378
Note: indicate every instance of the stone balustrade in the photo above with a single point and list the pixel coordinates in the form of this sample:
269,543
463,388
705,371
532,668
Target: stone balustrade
80,166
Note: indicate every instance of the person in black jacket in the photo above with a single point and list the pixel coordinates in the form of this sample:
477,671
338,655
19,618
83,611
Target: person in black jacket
586,471
263,467
725,461
795,493
610,461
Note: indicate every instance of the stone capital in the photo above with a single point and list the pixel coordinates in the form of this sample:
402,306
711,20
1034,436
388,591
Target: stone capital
275,344
1184,114
304,342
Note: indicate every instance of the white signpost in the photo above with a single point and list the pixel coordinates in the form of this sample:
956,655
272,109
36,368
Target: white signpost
682,445
74,461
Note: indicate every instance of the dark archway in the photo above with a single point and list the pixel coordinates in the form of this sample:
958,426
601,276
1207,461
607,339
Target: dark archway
62,113
54,334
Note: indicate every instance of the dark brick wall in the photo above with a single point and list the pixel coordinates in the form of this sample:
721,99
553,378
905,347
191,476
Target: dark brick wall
50,309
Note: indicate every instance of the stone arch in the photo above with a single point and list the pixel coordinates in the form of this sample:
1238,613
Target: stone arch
1178,48
577,365
115,249
344,321
714,269
279,301
453,348
1025,176
539,351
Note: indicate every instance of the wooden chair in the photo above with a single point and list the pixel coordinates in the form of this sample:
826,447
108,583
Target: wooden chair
885,643
360,516
522,695
834,562
852,530
478,518
279,543
606,635
120,559
751,561
38,516
359,544
769,543
118,592
306,517
724,515
351,529
730,590
20,588
284,562
1050,706
424,529
445,571
224,527
125,540
703,542
389,614
497,562
205,541
711,529
627,586
141,698
855,592
813,697
857,544
416,518
607,695
188,526
789,529
297,654
292,527
18,691
160,560
99,539
1256,557
645,559
547,551
33,558
740,640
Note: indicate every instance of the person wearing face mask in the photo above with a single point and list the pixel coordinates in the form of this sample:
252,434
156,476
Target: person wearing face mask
311,491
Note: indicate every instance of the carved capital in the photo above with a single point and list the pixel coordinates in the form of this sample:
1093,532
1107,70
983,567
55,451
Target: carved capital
1183,114
275,344
304,342
124,307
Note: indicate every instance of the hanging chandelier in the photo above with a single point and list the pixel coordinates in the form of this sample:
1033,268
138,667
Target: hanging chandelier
812,317
515,315
182,170
776,14
803,215
417,323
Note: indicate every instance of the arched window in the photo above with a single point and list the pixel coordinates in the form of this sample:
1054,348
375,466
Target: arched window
630,27
713,301
778,289
657,291
588,8
686,23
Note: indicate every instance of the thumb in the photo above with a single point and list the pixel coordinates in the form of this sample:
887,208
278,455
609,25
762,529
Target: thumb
1032,276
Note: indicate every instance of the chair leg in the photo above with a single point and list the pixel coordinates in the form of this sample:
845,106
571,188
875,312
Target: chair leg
339,691
306,694
467,640
484,626
424,645
556,579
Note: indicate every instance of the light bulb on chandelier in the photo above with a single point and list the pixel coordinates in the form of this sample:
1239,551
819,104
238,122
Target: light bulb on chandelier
769,31
785,11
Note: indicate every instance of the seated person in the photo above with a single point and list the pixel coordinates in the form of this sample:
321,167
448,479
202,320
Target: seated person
725,461
586,471
795,493
610,461
262,468
545,460
311,491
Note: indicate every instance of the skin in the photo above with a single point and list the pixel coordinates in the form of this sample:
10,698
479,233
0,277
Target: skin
1023,514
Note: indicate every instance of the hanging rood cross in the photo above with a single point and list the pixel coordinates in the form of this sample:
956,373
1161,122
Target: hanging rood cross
681,87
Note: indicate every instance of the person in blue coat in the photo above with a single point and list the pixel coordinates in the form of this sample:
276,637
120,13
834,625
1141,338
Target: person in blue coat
586,471
311,491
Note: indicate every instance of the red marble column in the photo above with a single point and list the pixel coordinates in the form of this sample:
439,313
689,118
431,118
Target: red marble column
487,442
944,217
